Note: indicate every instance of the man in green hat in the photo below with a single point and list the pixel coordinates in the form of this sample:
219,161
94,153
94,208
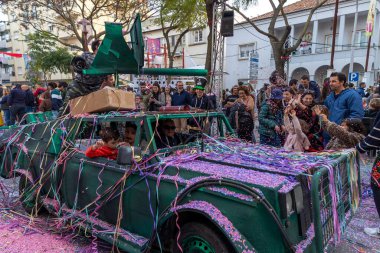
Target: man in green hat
200,101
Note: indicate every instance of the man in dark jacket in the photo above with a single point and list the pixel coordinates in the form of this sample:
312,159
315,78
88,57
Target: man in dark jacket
361,89
83,84
180,98
201,101
29,98
17,104
306,84
229,102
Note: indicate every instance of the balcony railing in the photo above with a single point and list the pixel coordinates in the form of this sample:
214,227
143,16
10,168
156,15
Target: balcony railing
301,51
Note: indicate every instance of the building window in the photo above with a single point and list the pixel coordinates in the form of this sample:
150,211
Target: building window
173,40
246,50
361,39
328,42
34,11
198,36
72,48
19,71
51,28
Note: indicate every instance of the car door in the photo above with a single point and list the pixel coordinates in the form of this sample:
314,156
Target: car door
117,194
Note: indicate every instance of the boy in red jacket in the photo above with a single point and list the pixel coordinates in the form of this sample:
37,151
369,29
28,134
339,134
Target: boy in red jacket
107,147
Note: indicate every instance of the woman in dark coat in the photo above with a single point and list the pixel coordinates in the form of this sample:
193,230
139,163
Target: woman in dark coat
156,98
46,103
244,114
271,120
304,105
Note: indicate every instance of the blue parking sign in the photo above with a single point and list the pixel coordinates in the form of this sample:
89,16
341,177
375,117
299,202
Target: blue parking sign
353,77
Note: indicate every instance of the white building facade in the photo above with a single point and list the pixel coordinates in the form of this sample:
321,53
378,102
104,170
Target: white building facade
313,56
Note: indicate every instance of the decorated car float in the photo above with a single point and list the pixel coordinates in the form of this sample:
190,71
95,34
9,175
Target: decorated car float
208,193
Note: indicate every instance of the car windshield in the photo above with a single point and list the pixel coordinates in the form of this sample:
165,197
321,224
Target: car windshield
173,132
89,133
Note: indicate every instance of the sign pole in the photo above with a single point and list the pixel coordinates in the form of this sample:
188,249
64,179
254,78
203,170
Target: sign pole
368,49
334,34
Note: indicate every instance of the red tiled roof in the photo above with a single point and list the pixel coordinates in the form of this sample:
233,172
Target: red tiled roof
297,6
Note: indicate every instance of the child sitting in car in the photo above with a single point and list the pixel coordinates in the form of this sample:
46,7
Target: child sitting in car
107,147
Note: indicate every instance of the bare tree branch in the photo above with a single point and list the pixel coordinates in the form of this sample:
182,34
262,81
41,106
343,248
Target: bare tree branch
252,23
299,40
65,14
275,15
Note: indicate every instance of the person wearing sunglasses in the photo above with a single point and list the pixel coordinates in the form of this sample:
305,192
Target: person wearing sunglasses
166,136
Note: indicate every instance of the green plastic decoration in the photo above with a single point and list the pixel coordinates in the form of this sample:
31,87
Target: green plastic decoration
116,57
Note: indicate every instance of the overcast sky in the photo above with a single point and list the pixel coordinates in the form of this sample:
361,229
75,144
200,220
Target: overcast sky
263,6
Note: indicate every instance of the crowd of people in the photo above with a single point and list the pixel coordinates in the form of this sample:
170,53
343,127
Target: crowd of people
301,115
19,99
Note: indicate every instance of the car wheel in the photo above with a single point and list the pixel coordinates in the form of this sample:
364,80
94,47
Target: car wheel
28,196
196,237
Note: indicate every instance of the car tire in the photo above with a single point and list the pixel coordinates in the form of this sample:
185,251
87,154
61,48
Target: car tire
28,196
198,237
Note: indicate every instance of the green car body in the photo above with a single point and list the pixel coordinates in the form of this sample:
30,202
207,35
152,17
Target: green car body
153,204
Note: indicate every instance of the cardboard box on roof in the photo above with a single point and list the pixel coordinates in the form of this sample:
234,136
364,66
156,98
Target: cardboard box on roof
104,100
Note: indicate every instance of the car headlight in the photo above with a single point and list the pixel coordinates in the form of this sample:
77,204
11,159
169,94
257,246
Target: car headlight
286,204
298,198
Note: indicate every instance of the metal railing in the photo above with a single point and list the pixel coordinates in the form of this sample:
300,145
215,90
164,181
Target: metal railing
335,198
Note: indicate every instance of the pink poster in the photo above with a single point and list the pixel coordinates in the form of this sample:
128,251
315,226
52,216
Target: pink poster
154,46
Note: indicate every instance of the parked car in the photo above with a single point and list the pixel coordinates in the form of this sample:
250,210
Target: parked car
209,193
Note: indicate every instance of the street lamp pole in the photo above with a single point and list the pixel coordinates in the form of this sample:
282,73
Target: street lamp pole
334,34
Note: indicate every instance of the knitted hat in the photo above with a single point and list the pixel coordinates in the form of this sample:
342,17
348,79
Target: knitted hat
276,94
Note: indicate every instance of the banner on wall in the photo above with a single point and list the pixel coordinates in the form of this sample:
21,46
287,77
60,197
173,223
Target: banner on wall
370,18
12,54
154,46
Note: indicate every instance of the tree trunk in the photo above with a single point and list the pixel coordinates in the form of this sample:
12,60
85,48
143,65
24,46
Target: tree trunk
171,64
278,56
171,61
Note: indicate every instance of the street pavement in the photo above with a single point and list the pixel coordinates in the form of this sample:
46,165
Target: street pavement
21,233
354,239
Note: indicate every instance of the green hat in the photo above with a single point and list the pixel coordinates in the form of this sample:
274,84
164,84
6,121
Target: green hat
200,83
